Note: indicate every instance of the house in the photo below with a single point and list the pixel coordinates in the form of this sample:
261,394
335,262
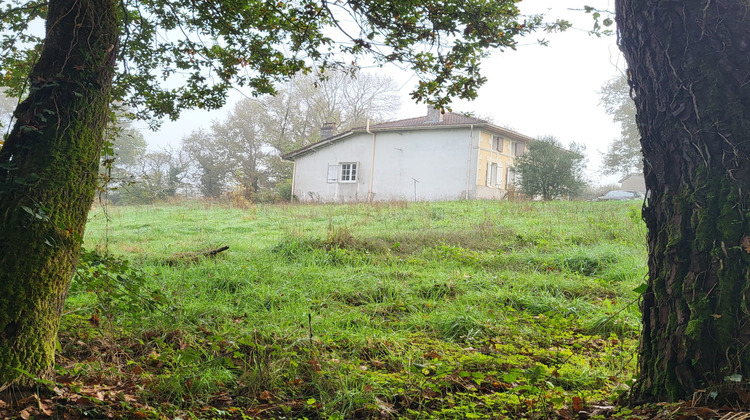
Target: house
433,157
634,182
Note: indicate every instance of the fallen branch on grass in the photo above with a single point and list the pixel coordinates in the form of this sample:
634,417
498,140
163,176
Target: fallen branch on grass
192,257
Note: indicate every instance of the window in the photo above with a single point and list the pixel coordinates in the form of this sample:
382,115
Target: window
494,176
342,172
518,149
497,143
348,172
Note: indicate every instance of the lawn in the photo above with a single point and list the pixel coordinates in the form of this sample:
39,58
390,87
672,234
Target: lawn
469,309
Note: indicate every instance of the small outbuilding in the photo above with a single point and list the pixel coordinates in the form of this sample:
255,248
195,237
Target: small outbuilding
634,182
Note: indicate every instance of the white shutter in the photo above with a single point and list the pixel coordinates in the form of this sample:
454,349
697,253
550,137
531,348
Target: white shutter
333,172
488,181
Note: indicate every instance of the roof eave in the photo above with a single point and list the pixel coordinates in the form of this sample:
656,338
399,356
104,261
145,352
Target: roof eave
312,147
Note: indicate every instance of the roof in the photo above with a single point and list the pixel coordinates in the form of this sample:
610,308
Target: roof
631,175
448,120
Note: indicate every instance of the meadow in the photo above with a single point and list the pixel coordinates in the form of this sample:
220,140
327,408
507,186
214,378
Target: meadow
470,309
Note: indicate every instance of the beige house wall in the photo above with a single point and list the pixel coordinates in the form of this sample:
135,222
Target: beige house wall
488,155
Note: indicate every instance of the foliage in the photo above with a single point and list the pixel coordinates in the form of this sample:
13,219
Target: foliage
118,287
239,155
549,171
348,98
624,154
197,45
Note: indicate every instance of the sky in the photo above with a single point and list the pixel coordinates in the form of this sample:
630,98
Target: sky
536,90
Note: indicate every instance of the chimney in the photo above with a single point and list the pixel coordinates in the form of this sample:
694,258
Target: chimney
327,130
434,115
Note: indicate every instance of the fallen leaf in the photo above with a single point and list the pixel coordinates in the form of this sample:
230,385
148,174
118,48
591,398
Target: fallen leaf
95,320
577,403
25,414
265,396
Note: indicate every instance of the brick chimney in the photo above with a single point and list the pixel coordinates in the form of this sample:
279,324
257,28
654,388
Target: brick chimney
327,130
434,115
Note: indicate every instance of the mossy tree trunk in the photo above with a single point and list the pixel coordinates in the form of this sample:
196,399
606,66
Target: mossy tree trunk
689,65
48,177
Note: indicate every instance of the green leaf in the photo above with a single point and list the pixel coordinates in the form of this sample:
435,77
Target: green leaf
733,378
641,288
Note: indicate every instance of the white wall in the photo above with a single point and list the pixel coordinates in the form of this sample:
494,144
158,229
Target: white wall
438,159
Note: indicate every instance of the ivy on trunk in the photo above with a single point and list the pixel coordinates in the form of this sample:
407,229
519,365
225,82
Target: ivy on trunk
689,66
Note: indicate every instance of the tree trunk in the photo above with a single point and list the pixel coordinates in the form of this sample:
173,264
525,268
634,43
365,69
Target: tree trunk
690,72
48,177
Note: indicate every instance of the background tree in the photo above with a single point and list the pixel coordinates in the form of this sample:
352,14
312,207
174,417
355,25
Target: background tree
241,153
241,140
210,159
347,98
623,155
175,55
122,157
158,176
548,170
688,65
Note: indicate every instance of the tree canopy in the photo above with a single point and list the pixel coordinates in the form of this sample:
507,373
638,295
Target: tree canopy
174,55
623,155
548,170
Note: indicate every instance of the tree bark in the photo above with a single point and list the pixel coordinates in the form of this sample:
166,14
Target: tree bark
48,178
689,67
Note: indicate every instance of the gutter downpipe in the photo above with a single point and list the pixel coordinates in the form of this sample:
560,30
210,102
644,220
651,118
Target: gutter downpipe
294,178
372,163
468,163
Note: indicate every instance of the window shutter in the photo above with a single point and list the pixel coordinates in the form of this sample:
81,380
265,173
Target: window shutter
488,181
519,149
333,172
499,176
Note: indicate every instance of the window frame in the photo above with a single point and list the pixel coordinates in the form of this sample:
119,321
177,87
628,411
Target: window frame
348,172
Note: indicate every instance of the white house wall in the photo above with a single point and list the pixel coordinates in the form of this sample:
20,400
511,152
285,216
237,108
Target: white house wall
311,171
422,165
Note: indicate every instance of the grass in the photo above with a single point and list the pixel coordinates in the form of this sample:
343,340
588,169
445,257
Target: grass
409,310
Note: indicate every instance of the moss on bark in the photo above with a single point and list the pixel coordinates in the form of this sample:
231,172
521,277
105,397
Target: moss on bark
48,178
688,67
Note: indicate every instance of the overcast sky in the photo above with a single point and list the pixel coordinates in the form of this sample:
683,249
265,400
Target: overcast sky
536,90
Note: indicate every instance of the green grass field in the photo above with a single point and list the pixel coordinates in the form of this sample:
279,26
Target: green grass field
403,310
